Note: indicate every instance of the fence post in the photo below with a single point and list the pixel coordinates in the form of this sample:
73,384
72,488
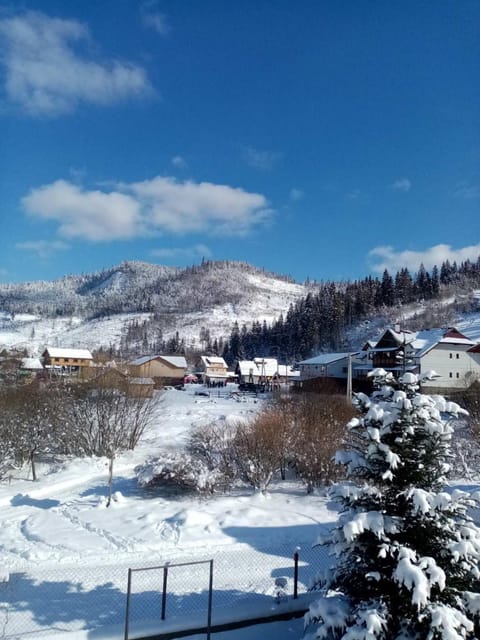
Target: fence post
127,608
164,592
295,575
210,597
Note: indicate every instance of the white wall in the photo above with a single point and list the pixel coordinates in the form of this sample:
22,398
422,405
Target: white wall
452,363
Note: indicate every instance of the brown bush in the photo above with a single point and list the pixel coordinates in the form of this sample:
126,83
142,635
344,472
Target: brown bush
319,429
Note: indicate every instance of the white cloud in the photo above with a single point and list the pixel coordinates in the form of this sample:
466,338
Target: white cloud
353,195
47,76
93,215
179,162
43,248
264,160
154,19
158,206
402,184
382,258
467,191
182,254
296,194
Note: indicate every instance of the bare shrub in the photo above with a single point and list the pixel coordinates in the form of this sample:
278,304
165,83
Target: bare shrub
259,450
211,446
181,472
320,428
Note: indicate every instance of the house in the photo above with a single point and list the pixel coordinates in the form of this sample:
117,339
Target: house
257,371
265,371
451,354
213,369
163,369
29,368
140,387
454,357
325,365
394,351
111,378
63,360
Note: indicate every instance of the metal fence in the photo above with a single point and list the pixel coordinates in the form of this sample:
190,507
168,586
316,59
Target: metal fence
54,601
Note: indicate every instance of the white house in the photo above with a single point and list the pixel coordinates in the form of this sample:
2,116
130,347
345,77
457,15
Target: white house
454,357
213,369
264,370
451,354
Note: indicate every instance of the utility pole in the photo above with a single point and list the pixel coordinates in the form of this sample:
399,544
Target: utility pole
349,378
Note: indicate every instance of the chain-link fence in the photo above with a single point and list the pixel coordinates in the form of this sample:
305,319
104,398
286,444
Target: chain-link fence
54,601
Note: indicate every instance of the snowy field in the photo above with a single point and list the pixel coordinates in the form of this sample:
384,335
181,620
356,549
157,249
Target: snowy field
65,556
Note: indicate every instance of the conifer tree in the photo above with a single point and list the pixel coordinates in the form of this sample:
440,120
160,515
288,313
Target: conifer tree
407,550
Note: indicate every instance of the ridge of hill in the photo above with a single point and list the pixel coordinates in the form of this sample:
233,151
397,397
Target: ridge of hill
94,310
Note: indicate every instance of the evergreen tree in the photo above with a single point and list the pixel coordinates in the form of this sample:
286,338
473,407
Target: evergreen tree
408,552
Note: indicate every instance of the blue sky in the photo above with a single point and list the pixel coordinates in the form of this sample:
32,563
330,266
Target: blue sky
326,139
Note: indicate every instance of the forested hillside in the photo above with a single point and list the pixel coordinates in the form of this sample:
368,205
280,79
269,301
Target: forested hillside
225,308
321,320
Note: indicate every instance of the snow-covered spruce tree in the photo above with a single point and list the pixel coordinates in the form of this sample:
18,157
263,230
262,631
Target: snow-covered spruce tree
408,553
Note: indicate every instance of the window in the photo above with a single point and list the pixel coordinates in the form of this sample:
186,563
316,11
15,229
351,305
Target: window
451,356
457,356
450,375
458,375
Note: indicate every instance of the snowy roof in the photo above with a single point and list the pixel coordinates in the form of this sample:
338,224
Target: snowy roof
286,371
246,367
57,352
423,341
214,360
142,360
258,367
266,366
32,364
326,358
175,361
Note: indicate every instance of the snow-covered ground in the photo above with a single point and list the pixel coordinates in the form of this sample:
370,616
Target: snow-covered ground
65,556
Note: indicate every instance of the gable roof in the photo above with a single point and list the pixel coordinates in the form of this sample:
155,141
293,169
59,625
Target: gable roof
453,336
327,358
475,349
79,354
32,364
174,361
213,360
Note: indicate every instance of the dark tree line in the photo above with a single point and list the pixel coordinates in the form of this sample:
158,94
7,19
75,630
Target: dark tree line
318,321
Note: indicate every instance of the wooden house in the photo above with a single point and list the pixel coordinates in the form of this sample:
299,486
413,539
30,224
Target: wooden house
162,369
62,360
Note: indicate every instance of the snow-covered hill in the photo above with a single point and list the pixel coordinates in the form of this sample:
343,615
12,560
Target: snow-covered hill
94,310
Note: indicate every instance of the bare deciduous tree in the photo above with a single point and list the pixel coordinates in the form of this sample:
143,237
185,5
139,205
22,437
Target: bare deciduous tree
28,420
104,421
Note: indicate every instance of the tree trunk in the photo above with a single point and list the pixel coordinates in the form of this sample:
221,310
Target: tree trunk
32,463
110,479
